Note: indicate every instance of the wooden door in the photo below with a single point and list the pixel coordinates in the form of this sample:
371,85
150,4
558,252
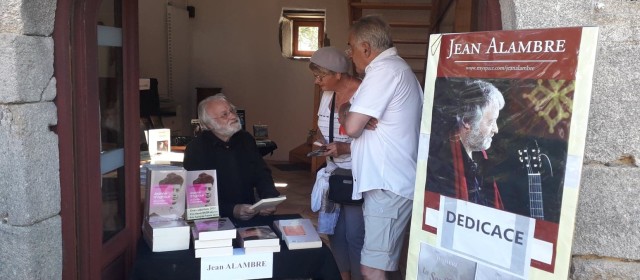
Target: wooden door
97,73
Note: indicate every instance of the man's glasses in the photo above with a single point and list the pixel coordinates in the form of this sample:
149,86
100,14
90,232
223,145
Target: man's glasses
226,114
348,51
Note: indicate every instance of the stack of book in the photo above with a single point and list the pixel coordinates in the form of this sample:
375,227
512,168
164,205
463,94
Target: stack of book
258,239
163,236
213,237
164,228
298,233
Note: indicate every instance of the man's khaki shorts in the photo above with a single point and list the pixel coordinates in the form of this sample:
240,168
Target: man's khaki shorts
386,217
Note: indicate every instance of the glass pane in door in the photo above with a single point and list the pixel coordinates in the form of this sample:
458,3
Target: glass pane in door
110,90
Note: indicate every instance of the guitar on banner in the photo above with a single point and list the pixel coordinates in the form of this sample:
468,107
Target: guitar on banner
531,160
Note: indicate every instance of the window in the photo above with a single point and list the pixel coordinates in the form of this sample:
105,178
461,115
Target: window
301,32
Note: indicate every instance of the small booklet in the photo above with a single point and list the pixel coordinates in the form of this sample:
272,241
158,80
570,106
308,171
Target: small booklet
268,202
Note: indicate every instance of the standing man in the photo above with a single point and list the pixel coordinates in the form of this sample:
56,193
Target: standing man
384,158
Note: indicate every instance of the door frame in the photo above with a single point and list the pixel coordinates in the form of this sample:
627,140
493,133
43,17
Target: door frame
75,68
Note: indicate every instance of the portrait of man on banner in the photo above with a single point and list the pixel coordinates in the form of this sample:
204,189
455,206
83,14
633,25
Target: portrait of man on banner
490,145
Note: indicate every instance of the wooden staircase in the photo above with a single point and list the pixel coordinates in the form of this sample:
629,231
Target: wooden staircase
410,22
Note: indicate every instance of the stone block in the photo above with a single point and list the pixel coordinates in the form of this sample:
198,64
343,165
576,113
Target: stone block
607,220
30,185
27,17
26,67
35,252
50,91
585,268
612,131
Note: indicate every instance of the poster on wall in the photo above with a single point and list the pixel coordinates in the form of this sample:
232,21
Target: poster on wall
500,157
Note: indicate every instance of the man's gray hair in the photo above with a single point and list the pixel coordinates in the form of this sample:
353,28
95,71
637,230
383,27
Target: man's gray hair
479,94
206,122
374,30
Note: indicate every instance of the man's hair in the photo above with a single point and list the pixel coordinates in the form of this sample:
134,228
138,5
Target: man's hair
373,30
476,96
461,101
206,122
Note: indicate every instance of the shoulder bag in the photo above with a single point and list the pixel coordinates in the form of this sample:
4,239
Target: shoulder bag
341,180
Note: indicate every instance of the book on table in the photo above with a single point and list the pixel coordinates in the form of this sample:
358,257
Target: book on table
215,228
162,236
199,244
257,236
298,233
214,252
262,249
268,202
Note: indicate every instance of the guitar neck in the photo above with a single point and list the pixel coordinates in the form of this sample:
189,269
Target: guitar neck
535,196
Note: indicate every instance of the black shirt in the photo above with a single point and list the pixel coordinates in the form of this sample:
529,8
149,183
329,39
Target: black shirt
239,168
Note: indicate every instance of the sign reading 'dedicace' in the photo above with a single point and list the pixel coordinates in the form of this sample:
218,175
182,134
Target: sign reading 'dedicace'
238,266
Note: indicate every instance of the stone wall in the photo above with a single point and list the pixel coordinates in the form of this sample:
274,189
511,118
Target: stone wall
30,224
608,222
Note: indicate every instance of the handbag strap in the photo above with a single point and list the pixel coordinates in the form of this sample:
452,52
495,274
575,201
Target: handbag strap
333,106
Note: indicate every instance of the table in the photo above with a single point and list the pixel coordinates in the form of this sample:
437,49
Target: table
316,263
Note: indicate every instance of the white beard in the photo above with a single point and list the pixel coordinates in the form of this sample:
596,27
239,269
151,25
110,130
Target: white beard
226,130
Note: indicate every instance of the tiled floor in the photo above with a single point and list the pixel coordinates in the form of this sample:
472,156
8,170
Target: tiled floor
298,191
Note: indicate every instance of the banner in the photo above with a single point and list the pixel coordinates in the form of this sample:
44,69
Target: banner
500,157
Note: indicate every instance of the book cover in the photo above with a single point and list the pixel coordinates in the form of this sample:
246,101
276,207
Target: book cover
199,243
214,252
268,202
165,193
202,195
262,249
298,233
159,141
217,228
257,236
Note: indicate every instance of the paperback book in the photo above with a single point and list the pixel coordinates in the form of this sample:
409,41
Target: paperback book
162,236
214,252
268,202
257,236
159,141
298,233
202,195
262,249
214,229
164,193
199,243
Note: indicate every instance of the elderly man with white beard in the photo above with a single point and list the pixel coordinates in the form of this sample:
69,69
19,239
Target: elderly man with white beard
233,153
464,122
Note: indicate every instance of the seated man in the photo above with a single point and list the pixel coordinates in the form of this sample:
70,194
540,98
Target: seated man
233,153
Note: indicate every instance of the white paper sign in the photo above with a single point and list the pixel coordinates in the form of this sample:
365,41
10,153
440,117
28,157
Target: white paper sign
503,241
238,266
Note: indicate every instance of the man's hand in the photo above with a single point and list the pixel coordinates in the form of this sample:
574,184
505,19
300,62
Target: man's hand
267,211
243,212
372,124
